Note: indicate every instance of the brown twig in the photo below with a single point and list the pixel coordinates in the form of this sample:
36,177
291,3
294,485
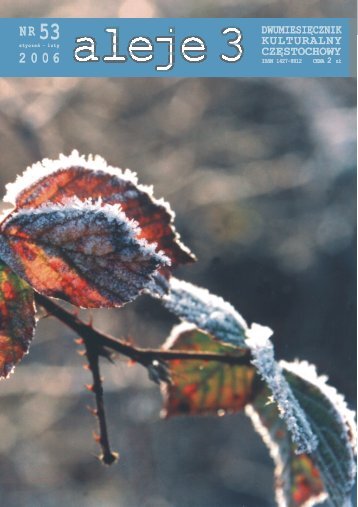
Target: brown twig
108,457
142,356
98,344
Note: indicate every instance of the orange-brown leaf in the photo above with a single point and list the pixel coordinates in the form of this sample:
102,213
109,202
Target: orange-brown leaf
17,319
205,387
54,181
86,254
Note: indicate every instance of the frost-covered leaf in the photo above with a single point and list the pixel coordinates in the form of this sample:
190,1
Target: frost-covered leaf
334,426
306,479
86,254
205,387
258,340
297,480
217,317
208,312
56,180
17,319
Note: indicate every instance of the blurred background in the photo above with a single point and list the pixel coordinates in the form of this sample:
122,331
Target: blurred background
261,174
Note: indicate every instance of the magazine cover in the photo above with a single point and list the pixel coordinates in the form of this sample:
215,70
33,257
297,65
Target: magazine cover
178,253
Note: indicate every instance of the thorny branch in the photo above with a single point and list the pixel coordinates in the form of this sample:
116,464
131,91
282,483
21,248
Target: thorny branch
99,344
108,457
145,357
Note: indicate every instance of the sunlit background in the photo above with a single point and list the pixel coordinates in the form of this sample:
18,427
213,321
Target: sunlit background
261,174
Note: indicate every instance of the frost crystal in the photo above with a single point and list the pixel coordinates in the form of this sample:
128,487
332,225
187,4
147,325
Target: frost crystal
85,253
208,312
343,414
258,340
339,470
47,167
54,181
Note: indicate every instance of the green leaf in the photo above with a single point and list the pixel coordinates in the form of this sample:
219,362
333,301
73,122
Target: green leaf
302,479
206,387
334,426
298,481
305,423
17,319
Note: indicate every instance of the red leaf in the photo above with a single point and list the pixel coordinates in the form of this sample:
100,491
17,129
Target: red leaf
17,319
80,252
205,387
54,181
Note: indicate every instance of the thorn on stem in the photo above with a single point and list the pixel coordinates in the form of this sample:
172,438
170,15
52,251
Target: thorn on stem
96,437
92,351
92,411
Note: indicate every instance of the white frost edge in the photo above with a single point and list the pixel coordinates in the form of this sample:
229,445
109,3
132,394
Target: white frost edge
308,372
183,327
204,295
46,167
275,454
36,172
113,214
344,416
208,312
258,340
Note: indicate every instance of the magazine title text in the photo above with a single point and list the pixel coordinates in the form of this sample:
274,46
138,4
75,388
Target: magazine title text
143,49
